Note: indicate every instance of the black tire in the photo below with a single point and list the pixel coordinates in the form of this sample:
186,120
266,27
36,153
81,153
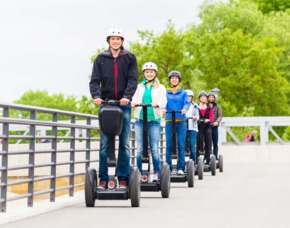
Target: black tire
90,187
165,182
221,163
213,165
200,168
135,188
190,173
162,169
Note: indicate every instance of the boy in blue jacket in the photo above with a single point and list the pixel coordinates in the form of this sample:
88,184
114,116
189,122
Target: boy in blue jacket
177,99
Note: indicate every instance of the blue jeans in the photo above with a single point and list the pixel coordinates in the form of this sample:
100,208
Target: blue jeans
123,166
192,144
181,135
215,138
154,137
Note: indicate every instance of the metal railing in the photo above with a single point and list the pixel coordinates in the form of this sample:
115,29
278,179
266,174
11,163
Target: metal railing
78,127
89,124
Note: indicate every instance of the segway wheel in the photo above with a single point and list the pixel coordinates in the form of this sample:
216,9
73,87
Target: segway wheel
213,165
200,168
190,174
135,188
221,163
165,182
90,187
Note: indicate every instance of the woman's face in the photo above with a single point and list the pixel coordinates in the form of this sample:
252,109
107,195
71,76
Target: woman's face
149,74
203,99
174,80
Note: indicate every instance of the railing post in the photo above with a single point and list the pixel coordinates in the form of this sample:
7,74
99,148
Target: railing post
4,174
88,144
31,160
72,157
53,158
263,129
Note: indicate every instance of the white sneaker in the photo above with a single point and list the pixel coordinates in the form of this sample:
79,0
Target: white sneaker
155,176
180,172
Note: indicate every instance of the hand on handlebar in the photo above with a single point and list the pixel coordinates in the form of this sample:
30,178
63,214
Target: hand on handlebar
183,111
154,105
124,101
98,101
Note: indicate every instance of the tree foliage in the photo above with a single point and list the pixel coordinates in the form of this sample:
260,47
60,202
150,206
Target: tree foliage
268,6
55,101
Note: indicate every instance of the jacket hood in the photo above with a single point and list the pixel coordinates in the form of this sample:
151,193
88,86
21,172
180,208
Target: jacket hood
109,53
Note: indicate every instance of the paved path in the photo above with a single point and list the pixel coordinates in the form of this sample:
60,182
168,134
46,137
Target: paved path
245,195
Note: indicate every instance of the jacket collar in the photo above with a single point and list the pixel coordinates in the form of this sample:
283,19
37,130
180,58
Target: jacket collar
109,53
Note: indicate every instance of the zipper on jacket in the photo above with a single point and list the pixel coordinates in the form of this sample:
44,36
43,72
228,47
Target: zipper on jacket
115,78
116,72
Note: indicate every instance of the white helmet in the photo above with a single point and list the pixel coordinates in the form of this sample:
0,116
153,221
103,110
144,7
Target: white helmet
150,66
115,31
189,92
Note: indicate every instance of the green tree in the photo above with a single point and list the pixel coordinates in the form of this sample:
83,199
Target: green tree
267,6
233,58
168,51
54,101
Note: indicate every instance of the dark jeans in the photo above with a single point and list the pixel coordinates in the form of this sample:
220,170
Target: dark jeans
215,138
123,166
192,144
203,142
180,137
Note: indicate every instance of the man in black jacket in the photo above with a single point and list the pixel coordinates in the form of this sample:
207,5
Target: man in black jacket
115,76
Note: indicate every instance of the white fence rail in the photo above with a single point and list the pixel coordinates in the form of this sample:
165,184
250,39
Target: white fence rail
265,125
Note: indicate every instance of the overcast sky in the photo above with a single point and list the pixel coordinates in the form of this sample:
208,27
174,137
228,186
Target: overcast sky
47,44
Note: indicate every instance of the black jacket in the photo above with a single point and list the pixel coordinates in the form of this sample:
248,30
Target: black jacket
114,78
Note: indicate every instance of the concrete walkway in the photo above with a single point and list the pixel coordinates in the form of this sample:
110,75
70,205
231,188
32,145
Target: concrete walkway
245,195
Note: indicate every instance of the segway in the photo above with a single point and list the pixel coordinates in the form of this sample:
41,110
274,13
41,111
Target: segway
189,167
211,167
199,163
163,184
111,123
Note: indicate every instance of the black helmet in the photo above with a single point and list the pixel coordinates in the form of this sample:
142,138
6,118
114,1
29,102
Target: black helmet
202,93
211,94
175,73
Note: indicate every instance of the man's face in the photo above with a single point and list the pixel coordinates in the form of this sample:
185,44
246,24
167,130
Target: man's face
115,42
211,99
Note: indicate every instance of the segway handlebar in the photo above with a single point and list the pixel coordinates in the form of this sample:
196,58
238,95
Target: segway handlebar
143,105
110,102
173,111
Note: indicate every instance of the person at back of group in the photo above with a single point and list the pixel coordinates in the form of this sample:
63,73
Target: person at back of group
193,114
149,91
115,76
251,137
217,117
204,127
177,99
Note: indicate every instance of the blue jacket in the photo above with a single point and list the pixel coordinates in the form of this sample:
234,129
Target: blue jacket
114,78
176,101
